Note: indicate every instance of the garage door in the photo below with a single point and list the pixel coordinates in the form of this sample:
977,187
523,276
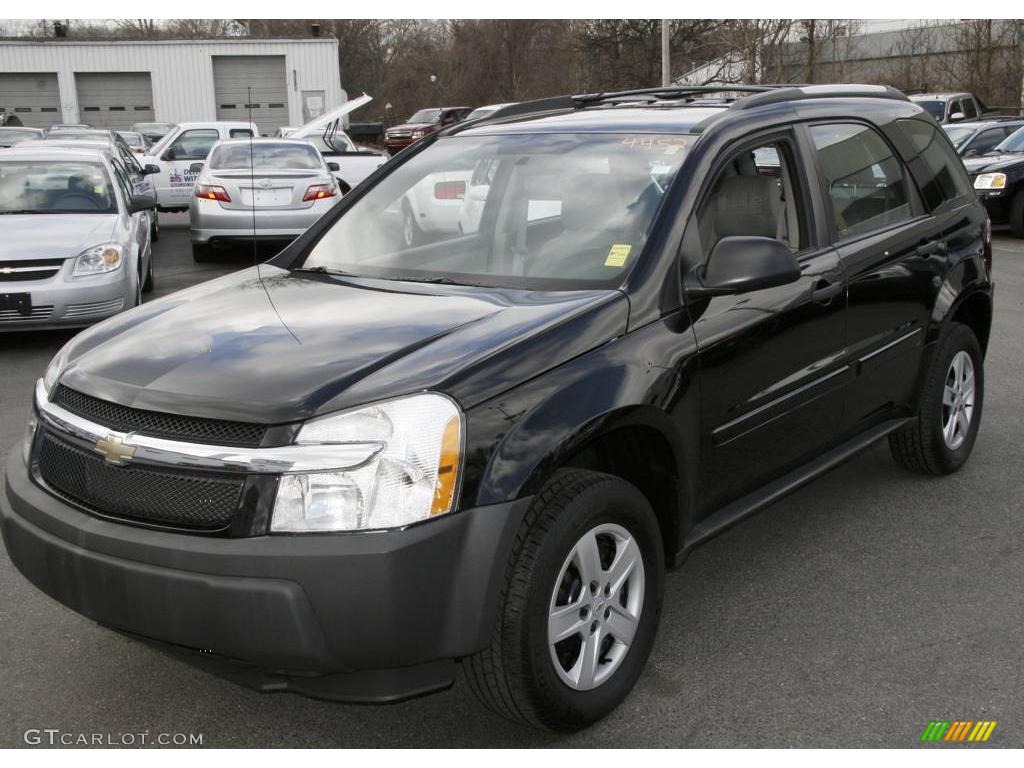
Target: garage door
114,99
33,97
264,77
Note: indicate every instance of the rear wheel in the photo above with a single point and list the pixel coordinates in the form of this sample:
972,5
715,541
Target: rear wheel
201,253
941,440
147,284
1017,214
154,228
580,607
412,235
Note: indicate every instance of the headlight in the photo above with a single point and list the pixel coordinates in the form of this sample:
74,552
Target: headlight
412,477
30,434
419,134
990,181
98,259
55,369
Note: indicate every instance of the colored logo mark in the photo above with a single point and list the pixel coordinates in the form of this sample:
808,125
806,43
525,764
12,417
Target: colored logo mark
959,730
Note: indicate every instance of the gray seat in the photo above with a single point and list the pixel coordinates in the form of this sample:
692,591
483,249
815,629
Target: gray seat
743,206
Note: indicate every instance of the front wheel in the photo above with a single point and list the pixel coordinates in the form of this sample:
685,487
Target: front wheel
941,440
580,607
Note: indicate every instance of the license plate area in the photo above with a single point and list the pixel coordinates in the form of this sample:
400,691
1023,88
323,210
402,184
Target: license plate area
19,302
267,198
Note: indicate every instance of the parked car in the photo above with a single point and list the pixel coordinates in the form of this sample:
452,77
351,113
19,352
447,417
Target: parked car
359,462
153,131
422,123
951,107
998,178
140,176
9,136
74,239
977,138
285,131
269,189
353,163
487,111
67,127
178,152
138,142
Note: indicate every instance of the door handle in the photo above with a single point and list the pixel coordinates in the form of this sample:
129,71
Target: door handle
826,291
930,247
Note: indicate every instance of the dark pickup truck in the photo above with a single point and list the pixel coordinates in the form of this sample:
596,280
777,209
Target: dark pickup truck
348,469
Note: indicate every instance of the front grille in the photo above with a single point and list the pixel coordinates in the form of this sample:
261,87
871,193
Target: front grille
205,502
39,312
125,419
29,269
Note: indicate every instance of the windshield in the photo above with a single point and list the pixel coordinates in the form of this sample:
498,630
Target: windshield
1012,143
265,156
544,211
936,109
425,116
41,186
958,134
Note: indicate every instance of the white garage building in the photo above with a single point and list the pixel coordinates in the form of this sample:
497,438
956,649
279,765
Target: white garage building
112,84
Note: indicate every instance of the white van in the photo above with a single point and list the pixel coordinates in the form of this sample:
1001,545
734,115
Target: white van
176,152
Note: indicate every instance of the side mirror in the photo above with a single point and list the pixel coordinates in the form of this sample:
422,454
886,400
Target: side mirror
142,203
169,154
334,167
742,264
956,117
196,167
150,170
971,153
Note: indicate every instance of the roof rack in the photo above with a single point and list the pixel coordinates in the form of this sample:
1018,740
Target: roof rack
755,96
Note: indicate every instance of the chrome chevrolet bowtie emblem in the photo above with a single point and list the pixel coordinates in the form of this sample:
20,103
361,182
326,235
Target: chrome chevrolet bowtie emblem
114,450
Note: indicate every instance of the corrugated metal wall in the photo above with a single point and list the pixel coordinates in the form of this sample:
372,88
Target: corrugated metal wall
181,70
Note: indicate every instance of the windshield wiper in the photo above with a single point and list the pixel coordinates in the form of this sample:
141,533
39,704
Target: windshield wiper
324,271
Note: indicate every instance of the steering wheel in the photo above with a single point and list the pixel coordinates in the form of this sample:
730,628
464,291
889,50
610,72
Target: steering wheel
73,201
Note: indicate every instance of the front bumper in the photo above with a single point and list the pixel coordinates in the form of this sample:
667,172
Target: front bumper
355,617
63,302
997,204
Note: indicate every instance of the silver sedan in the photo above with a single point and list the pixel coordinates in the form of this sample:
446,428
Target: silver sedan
74,239
263,189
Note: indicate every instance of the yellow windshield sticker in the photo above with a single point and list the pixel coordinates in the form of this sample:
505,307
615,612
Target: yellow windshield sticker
99,189
618,254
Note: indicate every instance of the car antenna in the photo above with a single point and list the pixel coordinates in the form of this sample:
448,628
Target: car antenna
252,184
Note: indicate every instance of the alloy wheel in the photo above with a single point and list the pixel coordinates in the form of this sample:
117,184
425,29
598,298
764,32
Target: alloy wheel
595,607
958,400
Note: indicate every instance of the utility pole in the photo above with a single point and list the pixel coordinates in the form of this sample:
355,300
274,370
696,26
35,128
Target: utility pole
1020,53
666,66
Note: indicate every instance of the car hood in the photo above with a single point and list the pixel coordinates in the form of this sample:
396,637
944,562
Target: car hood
52,236
289,346
990,163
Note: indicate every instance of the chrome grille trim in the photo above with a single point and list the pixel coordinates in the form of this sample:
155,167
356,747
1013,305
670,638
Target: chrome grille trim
156,451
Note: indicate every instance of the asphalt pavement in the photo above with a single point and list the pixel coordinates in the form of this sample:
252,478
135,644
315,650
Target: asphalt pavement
849,614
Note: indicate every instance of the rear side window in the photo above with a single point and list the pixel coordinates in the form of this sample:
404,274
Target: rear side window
939,172
865,181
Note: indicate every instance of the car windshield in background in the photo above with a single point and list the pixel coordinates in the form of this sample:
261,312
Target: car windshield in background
40,186
265,156
425,116
936,109
958,134
132,139
1012,143
153,127
550,211
78,133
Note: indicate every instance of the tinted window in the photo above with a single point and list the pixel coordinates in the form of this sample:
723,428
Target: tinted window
195,144
968,108
939,172
239,133
1014,142
986,140
936,109
958,134
865,180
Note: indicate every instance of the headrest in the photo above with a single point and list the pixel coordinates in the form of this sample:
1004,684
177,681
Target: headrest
747,205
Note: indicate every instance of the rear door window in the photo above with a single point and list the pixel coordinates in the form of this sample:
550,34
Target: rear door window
866,182
939,172
194,144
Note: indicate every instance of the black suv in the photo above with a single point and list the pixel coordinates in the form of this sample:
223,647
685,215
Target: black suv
998,178
637,320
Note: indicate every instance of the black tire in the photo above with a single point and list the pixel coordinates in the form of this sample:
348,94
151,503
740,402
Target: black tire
154,228
921,447
147,284
412,235
516,676
1017,214
201,253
